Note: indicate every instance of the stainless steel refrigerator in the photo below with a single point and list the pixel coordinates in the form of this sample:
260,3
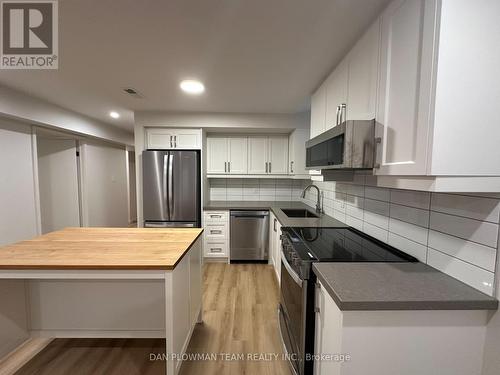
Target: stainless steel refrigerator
171,188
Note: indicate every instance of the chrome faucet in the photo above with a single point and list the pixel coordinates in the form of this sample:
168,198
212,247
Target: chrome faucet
318,203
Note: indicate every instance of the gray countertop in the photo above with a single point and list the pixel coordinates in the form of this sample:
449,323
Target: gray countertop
398,286
324,221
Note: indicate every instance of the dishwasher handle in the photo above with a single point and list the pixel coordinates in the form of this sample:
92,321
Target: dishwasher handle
257,214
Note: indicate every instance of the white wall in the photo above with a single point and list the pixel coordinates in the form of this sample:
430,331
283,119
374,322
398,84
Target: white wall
269,122
20,106
58,183
104,185
18,221
18,211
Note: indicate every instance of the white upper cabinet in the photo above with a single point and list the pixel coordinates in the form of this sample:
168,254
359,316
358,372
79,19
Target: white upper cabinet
278,154
217,155
297,153
318,108
169,138
268,155
466,133
405,83
336,95
363,76
237,155
257,155
226,155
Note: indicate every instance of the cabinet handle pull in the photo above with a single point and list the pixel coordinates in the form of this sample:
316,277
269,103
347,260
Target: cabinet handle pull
171,142
175,141
216,249
274,225
215,231
291,167
215,216
343,112
225,167
378,141
266,166
269,167
229,166
338,116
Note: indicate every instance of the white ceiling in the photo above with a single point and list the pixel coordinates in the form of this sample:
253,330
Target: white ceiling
263,56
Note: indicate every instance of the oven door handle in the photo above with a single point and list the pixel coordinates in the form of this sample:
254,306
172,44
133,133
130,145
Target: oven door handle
285,349
290,271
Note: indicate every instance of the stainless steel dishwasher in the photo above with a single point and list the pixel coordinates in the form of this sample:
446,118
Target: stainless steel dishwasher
249,235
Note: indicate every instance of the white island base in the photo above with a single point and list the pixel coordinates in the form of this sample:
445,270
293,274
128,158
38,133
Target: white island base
104,304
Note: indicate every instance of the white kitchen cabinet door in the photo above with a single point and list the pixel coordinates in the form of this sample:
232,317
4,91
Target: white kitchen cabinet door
187,138
159,138
217,155
363,75
336,93
328,332
195,283
257,155
297,152
169,138
278,155
237,155
318,108
407,42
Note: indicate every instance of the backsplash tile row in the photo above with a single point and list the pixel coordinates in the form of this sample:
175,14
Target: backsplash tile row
457,234
255,189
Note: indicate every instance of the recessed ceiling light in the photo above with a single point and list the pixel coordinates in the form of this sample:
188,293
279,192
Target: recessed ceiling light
192,86
114,114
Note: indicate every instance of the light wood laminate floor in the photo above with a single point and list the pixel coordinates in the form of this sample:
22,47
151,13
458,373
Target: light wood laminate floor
239,318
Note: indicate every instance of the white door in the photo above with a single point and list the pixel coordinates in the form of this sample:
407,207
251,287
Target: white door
58,184
217,155
187,138
158,138
278,155
257,155
363,76
318,107
336,93
238,155
402,116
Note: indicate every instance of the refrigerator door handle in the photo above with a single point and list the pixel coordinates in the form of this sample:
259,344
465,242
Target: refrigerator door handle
165,182
170,187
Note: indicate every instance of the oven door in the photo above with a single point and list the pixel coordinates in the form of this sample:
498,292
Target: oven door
292,315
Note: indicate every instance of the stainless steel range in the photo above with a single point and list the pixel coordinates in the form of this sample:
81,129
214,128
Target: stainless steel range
300,248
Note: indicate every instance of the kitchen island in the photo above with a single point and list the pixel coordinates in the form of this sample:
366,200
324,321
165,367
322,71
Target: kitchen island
103,283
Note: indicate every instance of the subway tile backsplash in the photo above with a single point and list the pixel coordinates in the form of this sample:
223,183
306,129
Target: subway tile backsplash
455,233
255,189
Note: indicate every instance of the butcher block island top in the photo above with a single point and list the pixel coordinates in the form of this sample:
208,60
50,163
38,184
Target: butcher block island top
102,249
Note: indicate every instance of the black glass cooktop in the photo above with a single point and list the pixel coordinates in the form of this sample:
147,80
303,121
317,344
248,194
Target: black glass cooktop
342,245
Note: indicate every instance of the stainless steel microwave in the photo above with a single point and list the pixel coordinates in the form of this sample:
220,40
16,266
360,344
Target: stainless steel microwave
349,145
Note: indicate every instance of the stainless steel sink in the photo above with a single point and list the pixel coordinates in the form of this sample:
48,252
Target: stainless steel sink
298,212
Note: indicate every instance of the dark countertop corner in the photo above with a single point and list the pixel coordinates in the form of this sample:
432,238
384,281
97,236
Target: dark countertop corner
398,286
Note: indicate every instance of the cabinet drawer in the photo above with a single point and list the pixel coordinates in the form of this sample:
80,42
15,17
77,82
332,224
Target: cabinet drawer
216,216
216,231
216,248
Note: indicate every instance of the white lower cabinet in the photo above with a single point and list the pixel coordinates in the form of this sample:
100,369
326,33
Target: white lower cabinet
216,234
275,244
410,342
